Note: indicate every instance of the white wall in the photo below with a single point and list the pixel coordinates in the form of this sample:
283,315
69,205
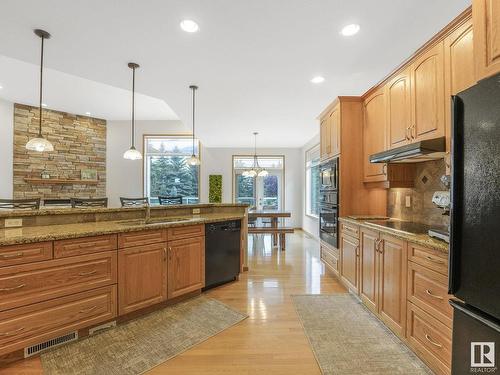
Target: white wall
6,148
309,223
218,161
124,177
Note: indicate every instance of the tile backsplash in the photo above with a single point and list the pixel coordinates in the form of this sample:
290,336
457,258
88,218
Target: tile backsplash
422,210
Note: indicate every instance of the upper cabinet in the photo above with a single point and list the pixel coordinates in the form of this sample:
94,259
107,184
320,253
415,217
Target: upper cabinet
398,94
486,19
427,99
374,126
330,133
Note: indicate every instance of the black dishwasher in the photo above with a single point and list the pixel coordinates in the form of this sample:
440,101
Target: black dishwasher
222,252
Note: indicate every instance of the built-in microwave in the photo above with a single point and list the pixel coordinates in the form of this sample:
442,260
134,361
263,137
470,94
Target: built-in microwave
329,174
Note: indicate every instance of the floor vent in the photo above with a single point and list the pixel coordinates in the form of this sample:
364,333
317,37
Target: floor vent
49,344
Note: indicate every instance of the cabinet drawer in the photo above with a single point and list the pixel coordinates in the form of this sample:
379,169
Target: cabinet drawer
29,283
26,253
429,290
430,339
329,259
36,323
351,230
85,245
333,251
433,259
144,237
177,233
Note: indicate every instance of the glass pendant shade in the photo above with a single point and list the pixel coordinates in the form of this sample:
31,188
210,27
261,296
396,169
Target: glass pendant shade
193,160
39,144
252,173
132,154
263,173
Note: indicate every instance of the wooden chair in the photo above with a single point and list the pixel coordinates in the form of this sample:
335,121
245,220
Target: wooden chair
20,204
134,202
89,202
57,202
164,201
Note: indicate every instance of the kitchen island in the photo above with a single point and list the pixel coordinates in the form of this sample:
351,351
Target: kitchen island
66,271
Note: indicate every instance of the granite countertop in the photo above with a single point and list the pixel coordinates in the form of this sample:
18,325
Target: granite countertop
419,239
12,236
90,210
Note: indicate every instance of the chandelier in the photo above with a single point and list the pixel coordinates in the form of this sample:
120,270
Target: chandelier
256,169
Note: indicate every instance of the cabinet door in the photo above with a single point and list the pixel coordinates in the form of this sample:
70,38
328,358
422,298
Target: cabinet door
142,277
427,88
392,283
186,266
323,138
335,131
349,258
459,71
368,268
374,126
398,110
486,19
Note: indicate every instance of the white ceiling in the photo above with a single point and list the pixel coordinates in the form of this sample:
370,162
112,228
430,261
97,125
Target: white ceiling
253,59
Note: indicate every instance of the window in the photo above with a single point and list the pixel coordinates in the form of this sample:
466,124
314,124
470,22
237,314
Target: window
264,193
166,171
312,181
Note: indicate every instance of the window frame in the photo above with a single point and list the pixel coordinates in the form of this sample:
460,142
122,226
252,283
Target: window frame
168,135
306,189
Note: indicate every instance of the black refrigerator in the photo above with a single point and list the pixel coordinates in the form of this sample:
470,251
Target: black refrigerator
474,274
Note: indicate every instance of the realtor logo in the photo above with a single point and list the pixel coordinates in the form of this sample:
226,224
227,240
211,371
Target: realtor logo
482,354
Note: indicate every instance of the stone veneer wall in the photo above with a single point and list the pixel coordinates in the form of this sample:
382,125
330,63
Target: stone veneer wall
79,143
422,210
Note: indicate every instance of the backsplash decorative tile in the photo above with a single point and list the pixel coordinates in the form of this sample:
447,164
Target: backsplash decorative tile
422,209
79,144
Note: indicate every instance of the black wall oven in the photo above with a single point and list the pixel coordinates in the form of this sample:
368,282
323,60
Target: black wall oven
329,201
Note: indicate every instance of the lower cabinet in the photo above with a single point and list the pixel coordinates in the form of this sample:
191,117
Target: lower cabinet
330,257
142,277
349,255
186,266
368,287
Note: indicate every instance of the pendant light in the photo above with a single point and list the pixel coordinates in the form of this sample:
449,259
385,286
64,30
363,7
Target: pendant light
39,143
256,170
132,153
193,160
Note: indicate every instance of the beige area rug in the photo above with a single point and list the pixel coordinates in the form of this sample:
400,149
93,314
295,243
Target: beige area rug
144,343
347,338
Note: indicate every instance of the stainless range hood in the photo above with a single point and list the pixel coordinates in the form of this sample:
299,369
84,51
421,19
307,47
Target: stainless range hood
426,150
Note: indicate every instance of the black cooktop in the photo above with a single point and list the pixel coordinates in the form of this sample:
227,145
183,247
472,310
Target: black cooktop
403,226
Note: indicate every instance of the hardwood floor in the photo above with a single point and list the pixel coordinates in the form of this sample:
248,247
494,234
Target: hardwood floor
271,340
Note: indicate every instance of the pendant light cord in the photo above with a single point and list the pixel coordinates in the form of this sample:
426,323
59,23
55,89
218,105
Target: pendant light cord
41,92
133,107
194,106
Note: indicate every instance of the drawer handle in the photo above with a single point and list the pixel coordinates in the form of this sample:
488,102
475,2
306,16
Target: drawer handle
432,295
434,260
12,288
86,311
12,333
11,256
87,273
433,342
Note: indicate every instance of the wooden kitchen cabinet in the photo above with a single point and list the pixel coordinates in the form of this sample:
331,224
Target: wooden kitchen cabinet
325,146
349,248
330,133
186,266
486,19
142,277
368,286
392,283
374,135
398,94
459,71
427,98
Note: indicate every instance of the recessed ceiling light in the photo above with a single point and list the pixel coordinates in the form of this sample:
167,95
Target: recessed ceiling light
189,26
1,87
87,113
318,79
350,30
44,105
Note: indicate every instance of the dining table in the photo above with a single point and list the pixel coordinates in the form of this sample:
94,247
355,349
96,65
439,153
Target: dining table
274,215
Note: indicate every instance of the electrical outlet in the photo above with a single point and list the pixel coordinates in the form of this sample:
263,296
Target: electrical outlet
196,211
13,223
408,201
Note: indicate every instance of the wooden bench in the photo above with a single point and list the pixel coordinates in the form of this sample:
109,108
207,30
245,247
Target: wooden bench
281,231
